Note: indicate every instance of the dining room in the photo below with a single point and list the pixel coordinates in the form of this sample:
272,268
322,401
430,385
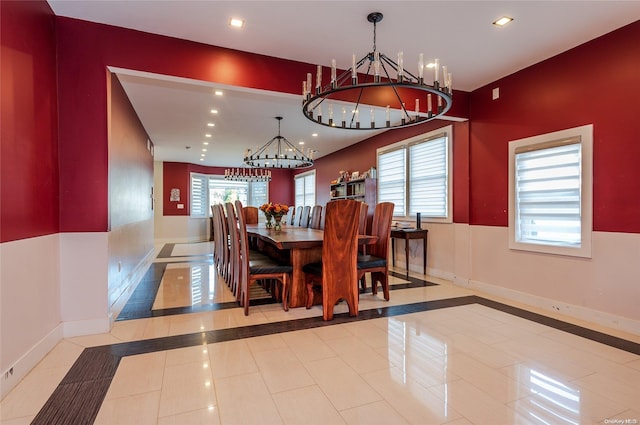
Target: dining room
482,308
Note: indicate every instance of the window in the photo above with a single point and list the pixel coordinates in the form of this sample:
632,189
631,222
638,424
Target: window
415,175
550,192
305,187
208,190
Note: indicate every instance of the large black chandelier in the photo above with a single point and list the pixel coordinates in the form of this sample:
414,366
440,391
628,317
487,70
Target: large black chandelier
408,98
245,174
278,153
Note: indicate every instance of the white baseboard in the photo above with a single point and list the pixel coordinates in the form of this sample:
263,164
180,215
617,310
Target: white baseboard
11,377
131,282
574,311
86,327
440,274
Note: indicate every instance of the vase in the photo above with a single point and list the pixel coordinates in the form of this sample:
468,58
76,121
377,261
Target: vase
278,225
268,223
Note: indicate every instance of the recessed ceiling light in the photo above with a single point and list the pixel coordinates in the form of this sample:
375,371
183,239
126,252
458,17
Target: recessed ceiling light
236,23
301,142
218,92
431,65
214,111
201,159
314,135
205,143
210,124
207,135
204,149
502,21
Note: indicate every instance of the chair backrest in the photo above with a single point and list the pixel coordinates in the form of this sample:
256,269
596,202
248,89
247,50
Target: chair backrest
296,217
381,227
250,214
316,217
364,213
234,248
243,238
339,251
289,217
304,217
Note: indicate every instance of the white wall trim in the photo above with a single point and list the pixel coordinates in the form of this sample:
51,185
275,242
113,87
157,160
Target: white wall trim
574,311
131,283
86,327
29,360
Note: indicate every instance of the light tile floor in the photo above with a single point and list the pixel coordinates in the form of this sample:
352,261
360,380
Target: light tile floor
468,364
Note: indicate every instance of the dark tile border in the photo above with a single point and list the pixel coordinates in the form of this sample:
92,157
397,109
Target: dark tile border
79,396
140,304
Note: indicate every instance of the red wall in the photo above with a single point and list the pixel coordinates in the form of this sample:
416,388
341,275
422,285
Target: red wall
29,142
597,82
362,156
130,162
177,175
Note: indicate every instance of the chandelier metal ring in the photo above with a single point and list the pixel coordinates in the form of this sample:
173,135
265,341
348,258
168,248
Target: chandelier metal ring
377,90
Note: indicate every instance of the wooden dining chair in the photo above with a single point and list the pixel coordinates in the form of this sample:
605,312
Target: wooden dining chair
336,275
375,260
315,220
290,217
250,214
252,271
303,221
296,216
222,241
234,249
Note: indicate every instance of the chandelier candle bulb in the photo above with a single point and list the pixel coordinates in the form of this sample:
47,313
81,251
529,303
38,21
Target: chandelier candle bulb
330,109
400,66
319,113
444,76
357,113
333,74
421,68
429,105
373,118
436,70
354,71
319,79
344,117
388,116
309,84
304,91
417,107
376,67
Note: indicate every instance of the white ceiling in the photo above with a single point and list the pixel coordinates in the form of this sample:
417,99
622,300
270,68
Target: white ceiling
175,111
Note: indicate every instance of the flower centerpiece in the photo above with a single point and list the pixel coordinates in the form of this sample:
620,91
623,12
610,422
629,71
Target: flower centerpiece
275,211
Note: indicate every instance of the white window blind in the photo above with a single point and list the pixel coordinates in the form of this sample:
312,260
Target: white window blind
391,179
547,191
428,178
199,198
415,175
305,189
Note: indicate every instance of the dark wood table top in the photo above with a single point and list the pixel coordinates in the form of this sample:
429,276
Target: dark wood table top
292,237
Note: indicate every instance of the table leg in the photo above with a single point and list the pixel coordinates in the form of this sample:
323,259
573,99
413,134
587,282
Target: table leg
300,257
424,256
406,253
393,252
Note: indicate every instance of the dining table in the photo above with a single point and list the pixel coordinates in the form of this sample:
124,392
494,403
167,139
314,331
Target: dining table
304,245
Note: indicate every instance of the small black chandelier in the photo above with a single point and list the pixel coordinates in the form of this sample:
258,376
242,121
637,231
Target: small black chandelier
377,88
244,174
278,153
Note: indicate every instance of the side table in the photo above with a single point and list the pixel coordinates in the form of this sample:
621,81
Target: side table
408,234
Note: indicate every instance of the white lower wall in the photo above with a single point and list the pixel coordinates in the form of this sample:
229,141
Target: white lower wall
604,289
30,316
84,282
182,229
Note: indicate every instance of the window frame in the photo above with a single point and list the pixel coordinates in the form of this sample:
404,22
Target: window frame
206,199
315,191
584,135
406,145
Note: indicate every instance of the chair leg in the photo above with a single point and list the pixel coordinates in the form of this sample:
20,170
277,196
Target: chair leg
383,278
285,292
309,282
246,298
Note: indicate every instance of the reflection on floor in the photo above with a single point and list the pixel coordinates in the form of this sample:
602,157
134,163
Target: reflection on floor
182,352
